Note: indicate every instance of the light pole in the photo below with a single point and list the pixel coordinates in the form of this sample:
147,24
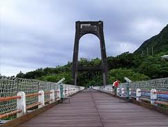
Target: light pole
128,87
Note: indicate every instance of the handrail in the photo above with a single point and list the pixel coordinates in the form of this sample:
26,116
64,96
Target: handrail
161,102
161,92
9,114
146,91
9,98
48,92
33,105
48,100
145,99
33,94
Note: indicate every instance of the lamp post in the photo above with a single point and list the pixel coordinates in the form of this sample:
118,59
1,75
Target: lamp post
128,86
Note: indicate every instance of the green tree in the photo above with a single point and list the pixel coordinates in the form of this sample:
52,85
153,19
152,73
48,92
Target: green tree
154,67
120,73
20,75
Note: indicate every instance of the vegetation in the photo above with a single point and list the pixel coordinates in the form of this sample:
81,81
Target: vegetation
122,72
135,67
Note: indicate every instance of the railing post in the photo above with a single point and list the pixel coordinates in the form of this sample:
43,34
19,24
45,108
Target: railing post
71,91
58,94
61,91
138,94
41,98
38,88
55,92
21,103
52,96
122,92
153,96
65,91
130,93
118,91
68,91
128,90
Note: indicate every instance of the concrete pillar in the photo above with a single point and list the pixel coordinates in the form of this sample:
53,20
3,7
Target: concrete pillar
21,104
66,92
122,92
118,91
61,91
41,98
52,96
71,90
130,92
138,94
58,94
153,96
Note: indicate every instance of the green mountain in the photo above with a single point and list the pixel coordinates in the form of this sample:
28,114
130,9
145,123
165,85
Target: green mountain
156,44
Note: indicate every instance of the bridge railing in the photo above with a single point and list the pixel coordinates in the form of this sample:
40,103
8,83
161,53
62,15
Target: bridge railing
19,96
151,91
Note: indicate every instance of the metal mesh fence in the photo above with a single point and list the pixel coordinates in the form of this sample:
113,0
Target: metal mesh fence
158,84
29,87
8,87
46,86
161,85
11,86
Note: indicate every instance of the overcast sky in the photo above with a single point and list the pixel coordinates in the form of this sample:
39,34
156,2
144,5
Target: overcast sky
40,33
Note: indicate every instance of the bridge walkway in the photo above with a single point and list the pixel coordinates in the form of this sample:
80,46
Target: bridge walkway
95,109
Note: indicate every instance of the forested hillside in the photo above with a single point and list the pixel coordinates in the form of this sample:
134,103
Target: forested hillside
136,67
155,44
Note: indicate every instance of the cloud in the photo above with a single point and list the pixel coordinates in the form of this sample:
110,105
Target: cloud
40,33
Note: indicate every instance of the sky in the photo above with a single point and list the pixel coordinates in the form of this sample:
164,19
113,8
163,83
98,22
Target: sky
40,33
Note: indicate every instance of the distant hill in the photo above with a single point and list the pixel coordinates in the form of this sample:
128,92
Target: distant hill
159,43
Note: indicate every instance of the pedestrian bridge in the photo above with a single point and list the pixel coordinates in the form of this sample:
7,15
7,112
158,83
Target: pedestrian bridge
43,104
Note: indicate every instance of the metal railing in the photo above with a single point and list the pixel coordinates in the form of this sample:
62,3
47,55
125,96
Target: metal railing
17,96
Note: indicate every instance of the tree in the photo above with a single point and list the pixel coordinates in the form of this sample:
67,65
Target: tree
20,75
119,74
154,67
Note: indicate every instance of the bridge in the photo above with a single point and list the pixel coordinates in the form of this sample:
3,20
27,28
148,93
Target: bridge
34,103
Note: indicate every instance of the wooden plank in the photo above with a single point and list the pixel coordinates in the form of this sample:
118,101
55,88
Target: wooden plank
161,102
9,98
9,114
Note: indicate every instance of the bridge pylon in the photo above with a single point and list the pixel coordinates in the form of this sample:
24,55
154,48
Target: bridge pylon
89,27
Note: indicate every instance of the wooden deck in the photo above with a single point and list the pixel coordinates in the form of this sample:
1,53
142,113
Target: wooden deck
95,109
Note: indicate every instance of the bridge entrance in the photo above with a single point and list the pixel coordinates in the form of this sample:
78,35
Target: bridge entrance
95,28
